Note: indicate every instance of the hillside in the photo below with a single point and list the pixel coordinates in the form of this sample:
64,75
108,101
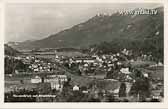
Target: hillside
139,32
10,51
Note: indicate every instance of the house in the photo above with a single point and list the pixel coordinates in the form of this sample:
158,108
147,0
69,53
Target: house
16,72
132,60
36,70
145,75
157,33
27,58
86,65
156,94
125,51
62,78
34,66
49,80
56,57
128,78
56,85
85,59
78,61
99,59
114,59
37,60
75,88
85,91
10,75
116,92
118,54
37,79
17,58
160,64
125,70
56,81
119,63
89,61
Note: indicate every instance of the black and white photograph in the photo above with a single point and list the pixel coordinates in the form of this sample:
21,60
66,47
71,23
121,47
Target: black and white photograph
84,52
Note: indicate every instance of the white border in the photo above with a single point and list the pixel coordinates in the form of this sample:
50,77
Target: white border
164,104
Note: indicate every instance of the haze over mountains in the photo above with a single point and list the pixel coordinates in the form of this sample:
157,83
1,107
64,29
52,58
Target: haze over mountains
37,21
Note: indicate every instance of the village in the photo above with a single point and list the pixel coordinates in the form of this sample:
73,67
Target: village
118,77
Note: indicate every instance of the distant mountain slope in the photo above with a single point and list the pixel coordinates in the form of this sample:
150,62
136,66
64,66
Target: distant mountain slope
141,30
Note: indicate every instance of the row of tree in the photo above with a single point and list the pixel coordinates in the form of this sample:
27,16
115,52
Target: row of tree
12,64
153,46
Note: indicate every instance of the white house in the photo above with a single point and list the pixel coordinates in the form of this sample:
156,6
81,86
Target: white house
18,58
62,78
56,78
78,61
49,80
36,70
116,92
104,57
132,60
16,72
37,79
56,85
119,63
160,64
75,88
157,33
128,77
114,59
85,91
118,54
145,75
37,60
86,65
27,58
125,70
89,61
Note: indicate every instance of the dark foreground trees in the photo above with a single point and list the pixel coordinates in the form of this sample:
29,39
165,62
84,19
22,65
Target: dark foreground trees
122,90
141,89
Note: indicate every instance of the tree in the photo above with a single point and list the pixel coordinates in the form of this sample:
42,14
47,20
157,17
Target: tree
141,88
122,90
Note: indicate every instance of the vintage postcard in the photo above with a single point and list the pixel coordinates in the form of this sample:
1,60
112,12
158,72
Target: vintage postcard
82,53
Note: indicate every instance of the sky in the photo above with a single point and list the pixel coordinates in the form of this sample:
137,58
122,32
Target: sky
36,21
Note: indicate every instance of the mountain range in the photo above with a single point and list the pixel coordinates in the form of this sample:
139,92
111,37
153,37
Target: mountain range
139,30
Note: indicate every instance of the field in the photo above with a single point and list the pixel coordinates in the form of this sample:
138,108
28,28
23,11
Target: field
157,72
53,54
12,83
